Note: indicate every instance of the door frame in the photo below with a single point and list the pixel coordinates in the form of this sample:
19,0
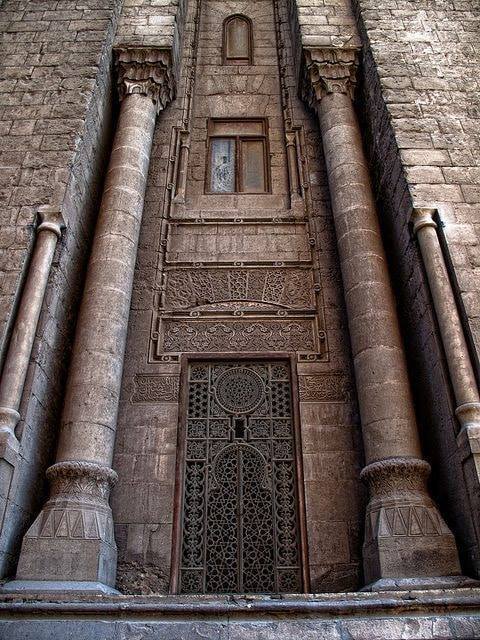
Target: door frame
185,360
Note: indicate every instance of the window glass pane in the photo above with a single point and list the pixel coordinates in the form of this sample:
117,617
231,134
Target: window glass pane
222,168
237,128
237,39
253,169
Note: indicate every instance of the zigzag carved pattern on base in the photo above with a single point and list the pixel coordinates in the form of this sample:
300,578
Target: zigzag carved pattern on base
74,524
408,520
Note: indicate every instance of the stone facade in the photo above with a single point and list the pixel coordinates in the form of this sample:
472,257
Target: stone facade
354,265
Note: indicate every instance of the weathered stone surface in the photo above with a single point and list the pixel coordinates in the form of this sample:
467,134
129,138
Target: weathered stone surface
419,121
440,615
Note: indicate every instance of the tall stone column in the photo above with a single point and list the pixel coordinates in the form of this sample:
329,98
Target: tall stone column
462,376
71,545
405,535
20,347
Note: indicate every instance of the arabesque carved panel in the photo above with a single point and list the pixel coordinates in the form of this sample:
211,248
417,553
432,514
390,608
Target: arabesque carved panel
289,287
240,524
237,335
155,388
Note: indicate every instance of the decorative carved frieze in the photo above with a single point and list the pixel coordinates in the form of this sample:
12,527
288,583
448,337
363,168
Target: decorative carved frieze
155,388
327,387
189,288
232,335
146,71
405,520
328,70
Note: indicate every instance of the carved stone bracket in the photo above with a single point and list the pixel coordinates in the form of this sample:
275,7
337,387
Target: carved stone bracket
146,71
328,70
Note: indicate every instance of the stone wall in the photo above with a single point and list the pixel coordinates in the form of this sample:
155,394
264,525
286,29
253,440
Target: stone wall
427,56
420,128
55,121
419,124
213,235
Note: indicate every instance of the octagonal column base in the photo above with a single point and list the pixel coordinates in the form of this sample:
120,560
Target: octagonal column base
405,536
72,537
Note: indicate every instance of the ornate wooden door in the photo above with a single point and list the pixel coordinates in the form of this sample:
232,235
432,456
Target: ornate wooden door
239,522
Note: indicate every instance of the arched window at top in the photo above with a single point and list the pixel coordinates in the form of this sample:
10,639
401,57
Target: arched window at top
237,40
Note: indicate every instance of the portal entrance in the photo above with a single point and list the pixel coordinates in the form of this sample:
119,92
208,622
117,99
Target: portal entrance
240,530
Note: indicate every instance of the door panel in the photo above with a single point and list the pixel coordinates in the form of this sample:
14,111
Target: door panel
240,521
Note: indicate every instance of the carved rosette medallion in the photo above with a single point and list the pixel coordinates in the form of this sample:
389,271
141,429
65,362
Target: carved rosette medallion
328,70
239,390
146,71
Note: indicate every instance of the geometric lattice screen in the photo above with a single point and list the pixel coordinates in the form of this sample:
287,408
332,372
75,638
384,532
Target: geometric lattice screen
240,523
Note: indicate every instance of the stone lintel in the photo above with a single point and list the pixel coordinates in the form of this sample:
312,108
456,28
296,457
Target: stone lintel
145,71
328,70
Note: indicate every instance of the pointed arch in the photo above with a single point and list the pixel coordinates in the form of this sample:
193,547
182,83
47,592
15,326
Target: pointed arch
237,45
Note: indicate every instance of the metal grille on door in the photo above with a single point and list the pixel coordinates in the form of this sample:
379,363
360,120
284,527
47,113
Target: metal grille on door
240,523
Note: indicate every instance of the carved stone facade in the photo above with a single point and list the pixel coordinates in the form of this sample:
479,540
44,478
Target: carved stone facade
273,381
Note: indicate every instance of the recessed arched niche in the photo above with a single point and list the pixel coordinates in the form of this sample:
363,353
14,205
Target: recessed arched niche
237,40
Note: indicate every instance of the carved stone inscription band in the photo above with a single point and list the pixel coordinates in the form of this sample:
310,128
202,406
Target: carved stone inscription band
395,472
72,539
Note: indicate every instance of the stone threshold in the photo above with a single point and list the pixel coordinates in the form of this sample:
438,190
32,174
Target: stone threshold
442,602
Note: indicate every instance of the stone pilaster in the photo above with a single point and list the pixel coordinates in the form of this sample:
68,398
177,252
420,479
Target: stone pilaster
71,544
462,376
12,382
405,535
15,369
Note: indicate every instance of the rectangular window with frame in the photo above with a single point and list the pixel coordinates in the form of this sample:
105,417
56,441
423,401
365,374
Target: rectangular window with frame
237,156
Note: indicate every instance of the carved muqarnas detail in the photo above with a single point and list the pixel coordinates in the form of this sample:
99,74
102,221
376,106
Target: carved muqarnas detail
328,70
268,335
324,388
155,388
189,288
400,505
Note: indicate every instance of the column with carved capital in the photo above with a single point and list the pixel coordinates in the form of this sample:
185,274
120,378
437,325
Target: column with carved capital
71,545
462,376
16,365
407,542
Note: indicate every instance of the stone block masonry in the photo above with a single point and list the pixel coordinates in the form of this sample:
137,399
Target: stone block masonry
55,126
427,57
55,112
418,102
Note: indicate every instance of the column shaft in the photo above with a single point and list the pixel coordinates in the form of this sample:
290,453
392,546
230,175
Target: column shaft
462,376
91,402
405,535
23,335
388,418
72,538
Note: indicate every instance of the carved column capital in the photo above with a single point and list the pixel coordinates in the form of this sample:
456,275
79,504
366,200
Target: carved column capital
328,70
145,71
423,217
51,219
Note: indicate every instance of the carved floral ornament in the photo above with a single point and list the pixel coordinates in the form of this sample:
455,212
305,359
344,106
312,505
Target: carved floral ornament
146,71
328,70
